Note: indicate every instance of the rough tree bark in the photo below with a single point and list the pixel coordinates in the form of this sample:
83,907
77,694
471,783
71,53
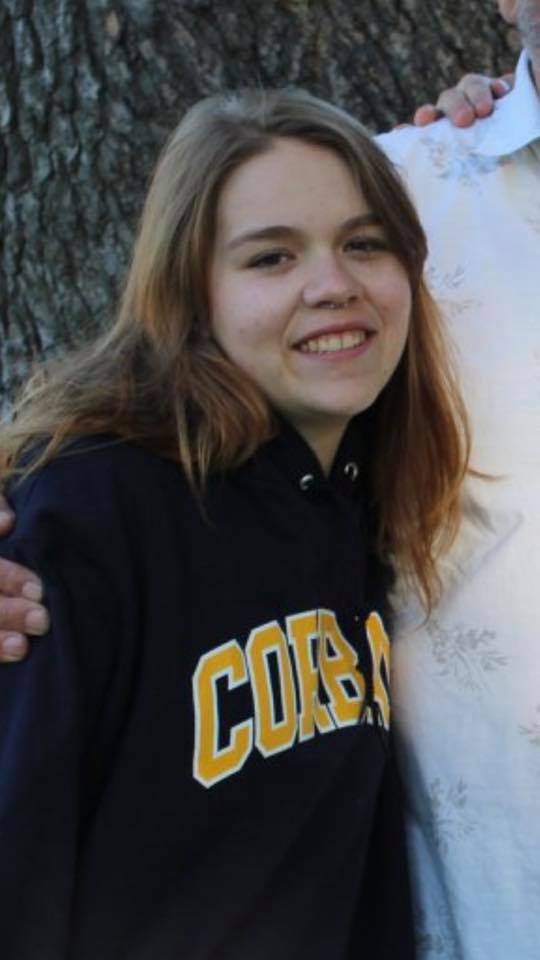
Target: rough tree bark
91,87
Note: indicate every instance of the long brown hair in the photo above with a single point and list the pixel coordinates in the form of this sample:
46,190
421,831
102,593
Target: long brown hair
158,378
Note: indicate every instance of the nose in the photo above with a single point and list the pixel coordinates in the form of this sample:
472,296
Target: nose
330,284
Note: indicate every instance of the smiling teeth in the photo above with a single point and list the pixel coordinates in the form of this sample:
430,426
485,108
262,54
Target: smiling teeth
332,343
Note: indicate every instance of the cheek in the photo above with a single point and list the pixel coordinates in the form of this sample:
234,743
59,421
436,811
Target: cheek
241,326
397,299
397,321
242,317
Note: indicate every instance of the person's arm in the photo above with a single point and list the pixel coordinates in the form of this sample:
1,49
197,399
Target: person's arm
39,780
471,99
21,591
50,764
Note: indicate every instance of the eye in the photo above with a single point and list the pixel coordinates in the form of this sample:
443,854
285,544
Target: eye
270,258
366,245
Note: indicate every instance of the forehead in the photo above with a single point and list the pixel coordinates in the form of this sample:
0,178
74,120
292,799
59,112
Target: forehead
291,181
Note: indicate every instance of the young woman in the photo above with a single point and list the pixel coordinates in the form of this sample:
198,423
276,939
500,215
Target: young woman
196,763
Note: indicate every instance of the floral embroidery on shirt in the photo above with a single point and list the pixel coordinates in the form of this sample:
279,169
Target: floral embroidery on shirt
449,815
533,219
454,161
445,286
437,940
531,731
465,654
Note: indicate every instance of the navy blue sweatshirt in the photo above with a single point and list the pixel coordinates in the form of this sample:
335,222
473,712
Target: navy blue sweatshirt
194,761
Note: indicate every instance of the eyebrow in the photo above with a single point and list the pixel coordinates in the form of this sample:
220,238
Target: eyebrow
281,231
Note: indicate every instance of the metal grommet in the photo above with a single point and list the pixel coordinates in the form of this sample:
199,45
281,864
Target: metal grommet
307,481
351,470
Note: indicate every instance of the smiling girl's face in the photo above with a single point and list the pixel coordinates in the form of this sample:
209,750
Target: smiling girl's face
305,295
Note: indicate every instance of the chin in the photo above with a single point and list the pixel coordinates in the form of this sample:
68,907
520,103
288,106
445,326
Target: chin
358,405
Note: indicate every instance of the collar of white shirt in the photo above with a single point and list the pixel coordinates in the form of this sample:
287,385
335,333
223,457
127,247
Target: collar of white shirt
515,122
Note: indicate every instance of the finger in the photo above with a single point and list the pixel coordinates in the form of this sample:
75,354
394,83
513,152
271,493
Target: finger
426,114
502,85
13,647
454,104
18,581
7,517
21,616
478,92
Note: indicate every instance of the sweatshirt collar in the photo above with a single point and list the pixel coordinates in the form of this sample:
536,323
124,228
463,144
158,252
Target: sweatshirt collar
515,121
291,455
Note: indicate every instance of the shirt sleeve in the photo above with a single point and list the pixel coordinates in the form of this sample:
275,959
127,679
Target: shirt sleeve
57,739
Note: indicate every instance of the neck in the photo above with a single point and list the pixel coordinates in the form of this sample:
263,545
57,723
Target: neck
324,443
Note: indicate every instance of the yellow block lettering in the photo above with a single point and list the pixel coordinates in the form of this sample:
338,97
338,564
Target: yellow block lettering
211,764
338,661
380,654
302,629
272,735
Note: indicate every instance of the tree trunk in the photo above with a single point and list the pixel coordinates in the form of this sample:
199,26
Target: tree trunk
91,87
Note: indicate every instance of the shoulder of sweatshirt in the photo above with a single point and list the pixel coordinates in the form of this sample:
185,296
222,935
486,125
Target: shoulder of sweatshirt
92,487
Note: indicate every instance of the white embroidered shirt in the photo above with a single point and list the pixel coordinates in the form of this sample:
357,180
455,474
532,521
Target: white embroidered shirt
466,686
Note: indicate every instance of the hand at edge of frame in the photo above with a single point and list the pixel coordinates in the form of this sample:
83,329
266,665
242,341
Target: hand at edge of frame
471,99
21,613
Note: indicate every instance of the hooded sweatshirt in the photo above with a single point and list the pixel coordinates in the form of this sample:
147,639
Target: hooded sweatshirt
194,762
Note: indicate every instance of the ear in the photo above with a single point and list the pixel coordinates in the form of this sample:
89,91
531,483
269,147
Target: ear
508,10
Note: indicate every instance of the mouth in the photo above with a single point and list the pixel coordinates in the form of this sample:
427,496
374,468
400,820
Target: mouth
335,342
